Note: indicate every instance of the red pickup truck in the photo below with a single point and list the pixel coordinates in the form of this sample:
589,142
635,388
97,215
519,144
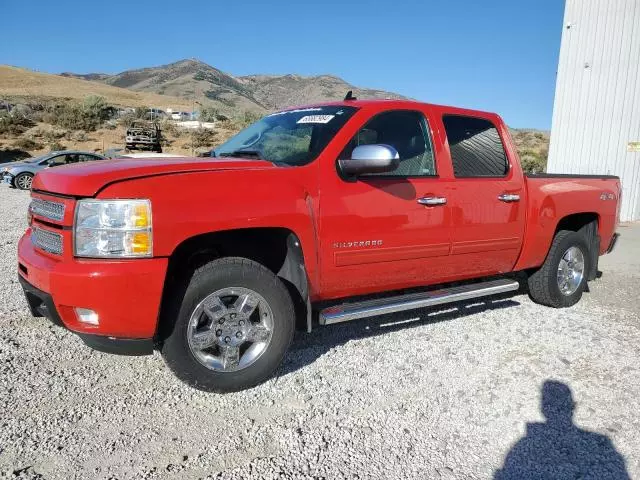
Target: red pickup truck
296,221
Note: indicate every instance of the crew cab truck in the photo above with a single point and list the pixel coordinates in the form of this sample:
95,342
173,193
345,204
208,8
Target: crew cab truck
297,221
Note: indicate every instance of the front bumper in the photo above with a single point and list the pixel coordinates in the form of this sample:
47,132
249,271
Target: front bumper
126,295
7,178
41,305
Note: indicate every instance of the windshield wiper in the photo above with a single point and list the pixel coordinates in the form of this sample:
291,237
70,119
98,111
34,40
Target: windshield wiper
242,153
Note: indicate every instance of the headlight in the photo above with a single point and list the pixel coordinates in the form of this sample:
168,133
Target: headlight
113,229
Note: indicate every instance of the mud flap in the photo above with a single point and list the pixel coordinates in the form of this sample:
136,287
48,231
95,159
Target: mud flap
294,272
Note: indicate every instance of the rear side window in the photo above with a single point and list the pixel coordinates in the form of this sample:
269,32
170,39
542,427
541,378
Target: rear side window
476,147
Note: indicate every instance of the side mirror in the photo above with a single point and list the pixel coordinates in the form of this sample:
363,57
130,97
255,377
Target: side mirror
370,159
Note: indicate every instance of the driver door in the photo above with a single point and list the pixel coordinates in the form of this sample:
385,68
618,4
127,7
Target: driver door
376,235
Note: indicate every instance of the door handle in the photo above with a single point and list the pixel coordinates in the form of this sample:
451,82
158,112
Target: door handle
509,197
432,201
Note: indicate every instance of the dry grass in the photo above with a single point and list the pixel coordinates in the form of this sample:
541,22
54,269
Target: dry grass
21,83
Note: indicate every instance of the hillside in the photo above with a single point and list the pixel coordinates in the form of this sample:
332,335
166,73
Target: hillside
25,84
258,93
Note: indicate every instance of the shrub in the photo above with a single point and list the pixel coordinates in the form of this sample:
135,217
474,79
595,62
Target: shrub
211,114
202,137
246,119
140,113
208,114
26,144
54,146
170,128
52,135
88,115
77,136
532,163
14,124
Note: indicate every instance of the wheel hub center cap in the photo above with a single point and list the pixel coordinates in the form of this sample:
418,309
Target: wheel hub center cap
232,330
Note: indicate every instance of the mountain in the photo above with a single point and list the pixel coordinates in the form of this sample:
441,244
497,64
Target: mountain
279,91
195,80
19,84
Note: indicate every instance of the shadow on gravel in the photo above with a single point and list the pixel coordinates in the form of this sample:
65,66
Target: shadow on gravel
557,449
307,347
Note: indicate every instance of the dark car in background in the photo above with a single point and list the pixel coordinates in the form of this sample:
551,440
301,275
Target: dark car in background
20,174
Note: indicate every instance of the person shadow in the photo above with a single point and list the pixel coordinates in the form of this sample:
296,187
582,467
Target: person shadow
557,449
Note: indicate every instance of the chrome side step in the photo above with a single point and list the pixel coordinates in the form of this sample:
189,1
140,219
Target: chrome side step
381,306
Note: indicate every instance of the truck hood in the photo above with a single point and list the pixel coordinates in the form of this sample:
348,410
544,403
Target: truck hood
87,179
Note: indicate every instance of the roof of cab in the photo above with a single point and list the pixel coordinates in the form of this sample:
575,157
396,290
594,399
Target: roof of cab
395,103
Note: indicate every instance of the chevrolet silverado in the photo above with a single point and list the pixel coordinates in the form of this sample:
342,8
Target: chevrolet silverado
301,220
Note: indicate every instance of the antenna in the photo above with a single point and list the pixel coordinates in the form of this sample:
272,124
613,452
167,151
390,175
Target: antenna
349,96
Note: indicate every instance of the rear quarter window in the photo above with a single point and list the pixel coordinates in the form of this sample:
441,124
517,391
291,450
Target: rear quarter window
476,147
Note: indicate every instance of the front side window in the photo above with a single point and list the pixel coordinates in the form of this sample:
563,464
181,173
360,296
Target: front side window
476,147
56,161
87,158
291,137
408,133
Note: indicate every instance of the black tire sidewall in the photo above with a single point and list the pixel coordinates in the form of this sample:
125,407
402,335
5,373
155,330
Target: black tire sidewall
215,276
570,239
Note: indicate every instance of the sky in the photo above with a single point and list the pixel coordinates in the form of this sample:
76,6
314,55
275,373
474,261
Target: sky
494,55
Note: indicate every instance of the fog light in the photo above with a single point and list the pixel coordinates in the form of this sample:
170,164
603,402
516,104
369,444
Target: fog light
86,315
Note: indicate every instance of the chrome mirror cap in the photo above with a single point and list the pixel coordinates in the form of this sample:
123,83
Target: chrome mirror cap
378,158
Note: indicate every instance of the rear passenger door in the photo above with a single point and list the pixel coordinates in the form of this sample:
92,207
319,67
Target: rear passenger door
486,197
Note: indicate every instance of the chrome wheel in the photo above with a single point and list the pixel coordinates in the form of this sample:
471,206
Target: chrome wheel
571,271
24,182
230,329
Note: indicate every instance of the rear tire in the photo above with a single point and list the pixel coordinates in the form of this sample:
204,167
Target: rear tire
204,312
23,181
548,285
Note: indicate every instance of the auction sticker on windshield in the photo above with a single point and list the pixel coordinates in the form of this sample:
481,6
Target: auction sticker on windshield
316,119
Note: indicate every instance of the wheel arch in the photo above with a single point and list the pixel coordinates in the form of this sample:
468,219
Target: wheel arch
277,248
587,224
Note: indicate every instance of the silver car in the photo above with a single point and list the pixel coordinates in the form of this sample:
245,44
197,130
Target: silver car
20,174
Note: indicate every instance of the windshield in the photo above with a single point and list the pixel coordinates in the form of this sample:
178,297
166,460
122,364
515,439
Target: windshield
291,137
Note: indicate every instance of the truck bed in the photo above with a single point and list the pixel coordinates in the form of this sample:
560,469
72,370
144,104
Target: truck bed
570,175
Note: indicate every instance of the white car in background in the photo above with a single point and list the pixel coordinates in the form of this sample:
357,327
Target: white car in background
180,116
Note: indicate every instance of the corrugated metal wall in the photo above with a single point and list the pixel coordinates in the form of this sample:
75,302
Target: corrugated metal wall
596,111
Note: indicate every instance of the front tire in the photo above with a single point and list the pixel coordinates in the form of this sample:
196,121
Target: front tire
23,181
234,325
562,278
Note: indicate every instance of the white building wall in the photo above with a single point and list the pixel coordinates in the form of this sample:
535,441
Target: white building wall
596,110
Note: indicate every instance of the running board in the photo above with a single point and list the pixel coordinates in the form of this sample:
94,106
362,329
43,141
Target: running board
381,306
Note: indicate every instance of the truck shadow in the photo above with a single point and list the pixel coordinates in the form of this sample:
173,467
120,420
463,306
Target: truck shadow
558,449
307,347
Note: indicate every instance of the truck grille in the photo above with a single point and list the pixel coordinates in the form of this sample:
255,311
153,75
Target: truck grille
47,209
45,240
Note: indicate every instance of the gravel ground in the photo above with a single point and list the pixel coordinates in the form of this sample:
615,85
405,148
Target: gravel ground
452,394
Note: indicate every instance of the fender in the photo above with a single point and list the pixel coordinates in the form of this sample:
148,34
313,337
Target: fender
186,205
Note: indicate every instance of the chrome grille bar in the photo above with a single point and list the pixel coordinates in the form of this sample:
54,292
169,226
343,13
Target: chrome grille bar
45,240
47,209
